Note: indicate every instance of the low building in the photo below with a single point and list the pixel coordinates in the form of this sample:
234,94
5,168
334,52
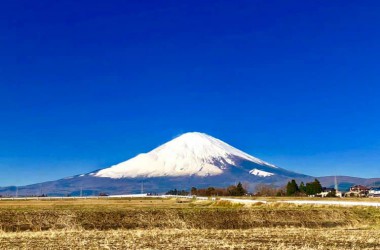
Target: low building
374,192
357,191
329,192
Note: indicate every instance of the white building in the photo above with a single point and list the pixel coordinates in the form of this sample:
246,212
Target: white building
374,192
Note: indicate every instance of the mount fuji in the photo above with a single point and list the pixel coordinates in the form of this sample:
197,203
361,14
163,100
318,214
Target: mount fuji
192,159
191,154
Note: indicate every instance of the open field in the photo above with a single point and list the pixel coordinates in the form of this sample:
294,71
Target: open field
258,238
137,213
151,223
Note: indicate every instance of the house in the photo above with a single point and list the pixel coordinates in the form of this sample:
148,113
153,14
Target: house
374,192
357,191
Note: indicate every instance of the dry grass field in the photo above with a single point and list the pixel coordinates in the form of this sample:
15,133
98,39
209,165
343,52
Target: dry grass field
257,238
153,223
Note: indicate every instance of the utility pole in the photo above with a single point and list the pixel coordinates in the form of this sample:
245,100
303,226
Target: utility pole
16,191
336,184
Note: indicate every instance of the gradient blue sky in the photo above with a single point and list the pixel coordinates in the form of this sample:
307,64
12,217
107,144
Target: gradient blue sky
86,84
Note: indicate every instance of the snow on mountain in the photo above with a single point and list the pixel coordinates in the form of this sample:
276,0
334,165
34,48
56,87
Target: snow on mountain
190,154
260,173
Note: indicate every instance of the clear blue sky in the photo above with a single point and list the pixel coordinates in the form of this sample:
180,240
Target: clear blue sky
86,84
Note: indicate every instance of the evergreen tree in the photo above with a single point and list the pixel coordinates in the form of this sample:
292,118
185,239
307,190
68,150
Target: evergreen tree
240,191
292,188
313,188
302,187
317,186
289,189
310,188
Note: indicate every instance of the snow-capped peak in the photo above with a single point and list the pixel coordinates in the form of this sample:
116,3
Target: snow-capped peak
189,154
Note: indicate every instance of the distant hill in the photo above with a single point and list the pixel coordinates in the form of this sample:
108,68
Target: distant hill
345,182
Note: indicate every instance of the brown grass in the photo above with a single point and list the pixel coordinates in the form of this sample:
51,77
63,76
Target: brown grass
179,224
215,216
283,198
259,238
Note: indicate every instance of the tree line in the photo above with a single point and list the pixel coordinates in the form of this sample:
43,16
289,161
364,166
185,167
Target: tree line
233,190
291,189
311,188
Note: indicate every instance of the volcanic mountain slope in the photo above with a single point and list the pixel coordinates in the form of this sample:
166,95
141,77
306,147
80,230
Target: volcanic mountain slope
192,159
191,154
